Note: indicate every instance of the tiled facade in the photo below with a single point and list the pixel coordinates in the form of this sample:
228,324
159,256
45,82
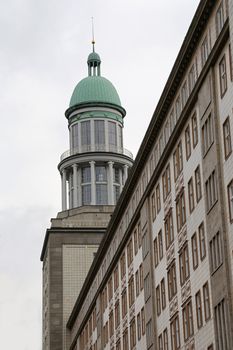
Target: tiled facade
162,277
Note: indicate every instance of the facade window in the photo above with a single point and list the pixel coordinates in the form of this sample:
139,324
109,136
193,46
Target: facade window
227,138
230,62
168,229
194,130
219,19
194,250
99,133
101,194
139,326
86,174
163,294
118,345
187,142
123,266
220,319
171,278
158,200
120,144
132,334
165,339
141,280
204,51
116,193
184,94
147,287
125,340
143,320
156,251
223,76
188,320
158,301
86,194
131,291
137,283
175,333
135,241
207,134
198,184
166,131
116,278
100,174
178,107
86,133
191,195
192,78
74,136
211,191
178,160
153,206
160,341
202,244
166,182
180,211
184,264
199,309
216,252
230,200
172,121
111,324
117,314
206,300
110,289
139,235
112,138
149,334
124,303
130,252
160,242
145,245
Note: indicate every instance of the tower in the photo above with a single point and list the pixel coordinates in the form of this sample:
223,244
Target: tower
93,172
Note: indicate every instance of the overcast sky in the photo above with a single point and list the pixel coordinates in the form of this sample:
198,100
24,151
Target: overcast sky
44,46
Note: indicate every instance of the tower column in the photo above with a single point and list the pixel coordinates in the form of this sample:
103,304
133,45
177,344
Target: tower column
110,183
75,184
93,187
79,186
64,194
125,172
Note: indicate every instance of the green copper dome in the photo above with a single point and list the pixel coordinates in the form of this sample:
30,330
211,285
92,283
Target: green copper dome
93,57
95,89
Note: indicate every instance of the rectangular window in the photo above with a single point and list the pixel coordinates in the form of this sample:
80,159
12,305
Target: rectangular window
227,138
184,264
175,333
211,191
160,242
194,130
160,341
86,133
171,278
198,184
125,340
153,207
137,283
202,244
220,319
135,241
178,160
223,76
194,250
230,62
156,252
131,291
166,182
117,314
145,245
123,266
147,287
139,326
99,133
230,200
216,252
192,78
184,94
163,294
206,300
124,303
110,289
167,131
204,51
112,138
132,334
143,320
158,301
130,252
168,229
111,324
116,278
187,142
199,309
141,279
149,334
178,108
139,235
219,19
188,320
191,195
207,134
158,201
180,211
165,339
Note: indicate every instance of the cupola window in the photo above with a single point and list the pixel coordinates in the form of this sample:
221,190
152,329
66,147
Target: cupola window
99,133
86,133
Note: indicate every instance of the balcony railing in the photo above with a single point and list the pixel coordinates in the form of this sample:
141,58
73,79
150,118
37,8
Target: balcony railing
96,148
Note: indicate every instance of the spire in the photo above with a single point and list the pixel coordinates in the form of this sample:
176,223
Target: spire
93,60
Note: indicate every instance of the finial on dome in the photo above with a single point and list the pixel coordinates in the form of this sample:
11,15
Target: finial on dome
93,36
